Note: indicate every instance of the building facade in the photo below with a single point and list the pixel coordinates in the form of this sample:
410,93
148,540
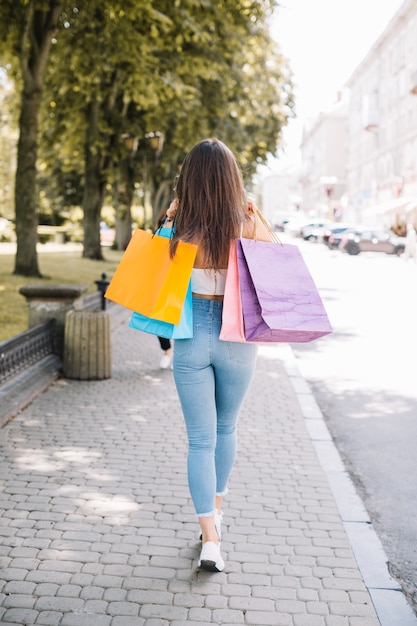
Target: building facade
382,134
359,158
281,197
323,165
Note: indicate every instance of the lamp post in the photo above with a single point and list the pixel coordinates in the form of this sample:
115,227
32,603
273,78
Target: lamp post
156,142
131,144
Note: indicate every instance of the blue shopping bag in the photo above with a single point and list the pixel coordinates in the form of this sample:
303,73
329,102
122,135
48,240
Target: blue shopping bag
183,330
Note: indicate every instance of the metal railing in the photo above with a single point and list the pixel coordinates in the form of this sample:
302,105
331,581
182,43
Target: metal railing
25,349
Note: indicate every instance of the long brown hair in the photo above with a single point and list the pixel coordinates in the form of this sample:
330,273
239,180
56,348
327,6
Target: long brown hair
211,201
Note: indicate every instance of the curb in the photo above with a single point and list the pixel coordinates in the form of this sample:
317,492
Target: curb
390,603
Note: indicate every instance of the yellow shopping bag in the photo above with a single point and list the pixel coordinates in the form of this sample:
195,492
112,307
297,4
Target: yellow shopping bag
148,281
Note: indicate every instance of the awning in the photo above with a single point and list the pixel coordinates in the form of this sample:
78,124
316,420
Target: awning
392,206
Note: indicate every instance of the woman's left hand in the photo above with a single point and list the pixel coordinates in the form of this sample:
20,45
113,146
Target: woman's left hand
251,208
172,210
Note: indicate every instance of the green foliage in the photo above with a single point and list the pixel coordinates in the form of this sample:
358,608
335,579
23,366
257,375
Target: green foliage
186,68
189,69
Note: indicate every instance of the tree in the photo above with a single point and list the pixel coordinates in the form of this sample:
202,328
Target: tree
237,87
27,30
90,93
186,69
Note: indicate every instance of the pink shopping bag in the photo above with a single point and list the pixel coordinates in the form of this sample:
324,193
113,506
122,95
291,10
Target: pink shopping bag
232,318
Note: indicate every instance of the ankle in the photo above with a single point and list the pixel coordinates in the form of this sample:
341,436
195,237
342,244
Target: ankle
212,537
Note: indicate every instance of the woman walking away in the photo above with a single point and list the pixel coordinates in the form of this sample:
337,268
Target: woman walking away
211,376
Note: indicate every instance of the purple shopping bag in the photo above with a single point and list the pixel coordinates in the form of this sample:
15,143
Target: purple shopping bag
280,301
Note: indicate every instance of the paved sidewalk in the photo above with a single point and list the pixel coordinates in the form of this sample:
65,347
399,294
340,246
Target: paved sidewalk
97,527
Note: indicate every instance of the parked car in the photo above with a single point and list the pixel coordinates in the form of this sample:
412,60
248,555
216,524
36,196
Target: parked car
293,226
363,240
282,220
314,230
332,235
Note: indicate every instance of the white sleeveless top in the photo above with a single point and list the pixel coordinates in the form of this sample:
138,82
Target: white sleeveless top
208,282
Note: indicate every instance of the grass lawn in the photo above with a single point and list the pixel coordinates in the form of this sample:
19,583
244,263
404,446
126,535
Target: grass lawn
57,268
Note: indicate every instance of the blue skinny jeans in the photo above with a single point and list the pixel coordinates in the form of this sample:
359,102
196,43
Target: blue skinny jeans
212,378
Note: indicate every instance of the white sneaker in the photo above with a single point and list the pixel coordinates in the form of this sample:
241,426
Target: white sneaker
165,362
210,557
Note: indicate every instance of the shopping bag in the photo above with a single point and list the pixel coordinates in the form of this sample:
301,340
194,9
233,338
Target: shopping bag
183,330
232,318
280,301
148,281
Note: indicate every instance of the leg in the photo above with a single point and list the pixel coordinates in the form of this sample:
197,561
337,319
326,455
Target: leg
194,378
166,347
164,343
234,369
196,392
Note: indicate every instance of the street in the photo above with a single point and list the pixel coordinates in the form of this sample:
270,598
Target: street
364,379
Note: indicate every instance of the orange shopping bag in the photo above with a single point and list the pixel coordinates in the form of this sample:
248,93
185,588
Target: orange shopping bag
148,281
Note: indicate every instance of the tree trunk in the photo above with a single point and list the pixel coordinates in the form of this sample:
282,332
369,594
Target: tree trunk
94,187
37,28
124,195
92,204
26,260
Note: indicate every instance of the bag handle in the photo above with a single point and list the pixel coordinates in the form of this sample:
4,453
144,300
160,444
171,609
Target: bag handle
162,225
274,237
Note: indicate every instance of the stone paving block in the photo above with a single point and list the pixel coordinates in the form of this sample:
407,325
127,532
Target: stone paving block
19,600
221,616
18,586
57,565
47,589
70,591
364,609
9,573
263,618
62,604
49,618
96,607
163,611
216,602
23,552
38,576
82,579
144,583
140,597
92,568
19,616
262,568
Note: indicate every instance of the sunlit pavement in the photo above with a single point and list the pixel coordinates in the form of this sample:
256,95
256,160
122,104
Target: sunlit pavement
98,528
